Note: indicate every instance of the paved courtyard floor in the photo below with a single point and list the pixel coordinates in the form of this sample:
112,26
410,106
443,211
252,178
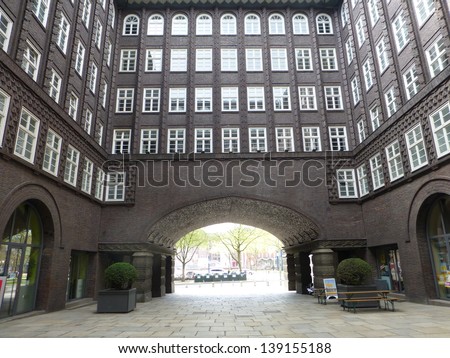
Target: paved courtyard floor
235,310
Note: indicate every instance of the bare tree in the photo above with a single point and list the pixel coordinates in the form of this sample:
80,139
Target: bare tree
187,246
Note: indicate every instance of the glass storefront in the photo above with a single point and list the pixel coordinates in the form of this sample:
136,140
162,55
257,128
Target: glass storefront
438,230
20,253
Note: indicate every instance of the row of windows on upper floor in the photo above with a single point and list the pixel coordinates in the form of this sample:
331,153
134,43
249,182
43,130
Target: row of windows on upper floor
27,137
230,140
228,25
354,186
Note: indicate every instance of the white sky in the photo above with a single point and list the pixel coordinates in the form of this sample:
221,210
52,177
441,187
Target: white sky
218,228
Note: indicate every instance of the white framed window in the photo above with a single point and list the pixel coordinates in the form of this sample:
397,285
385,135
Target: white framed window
98,34
104,93
356,93
27,135
180,25
257,139
151,101
178,60
416,148
228,60
361,130
86,179
203,140
311,139
394,160
391,104
176,140
5,30
121,141
153,60
368,75
228,24
204,25
374,13
324,24
125,100
303,59
278,59
346,183
5,100
230,140
31,61
107,54
307,98
230,99
300,24
360,35
54,88
333,98
363,180
252,24
177,99
411,82
79,58
131,25
149,141
255,99
328,59
338,138
71,166
253,59
100,184
349,50
401,33
86,12
113,16
40,9
203,60
276,25
345,16
155,25
437,57
63,33
440,125
115,186
281,99
87,125
375,117
424,9
93,77
73,106
99,133
285,139
203,99
128,58
382,55
376,170
52,153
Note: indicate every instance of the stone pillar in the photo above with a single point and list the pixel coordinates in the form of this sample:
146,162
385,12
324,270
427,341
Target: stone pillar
159,275
170,274
143,261
290,261
302,272
323,266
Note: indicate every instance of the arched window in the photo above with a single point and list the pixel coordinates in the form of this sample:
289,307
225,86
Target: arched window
276,24
300,24
228,25
155,25
131,25
179,25
204,25
324,25
252,25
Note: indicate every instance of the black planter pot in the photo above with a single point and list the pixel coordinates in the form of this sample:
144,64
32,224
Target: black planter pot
116,301
353,288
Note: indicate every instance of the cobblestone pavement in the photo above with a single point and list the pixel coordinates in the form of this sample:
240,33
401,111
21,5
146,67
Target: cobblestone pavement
235,310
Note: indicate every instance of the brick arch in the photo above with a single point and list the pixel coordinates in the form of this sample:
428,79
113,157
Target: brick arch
290,226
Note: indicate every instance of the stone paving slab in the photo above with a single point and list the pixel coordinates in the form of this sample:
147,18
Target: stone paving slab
269,311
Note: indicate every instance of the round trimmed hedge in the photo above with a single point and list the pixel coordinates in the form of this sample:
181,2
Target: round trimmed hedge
353,271
121,275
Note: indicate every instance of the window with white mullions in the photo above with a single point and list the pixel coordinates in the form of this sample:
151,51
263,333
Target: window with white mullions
276,24
100,184
128,60
230,99
300,24
324,24
149,141
307,98
382,55
424,9
440,124
375,117
88,121
155,25
391,101
416,148
328,59
131,25
86,179
338,138
346,183
411,81
401,32
363,180
278,58
79,58
204,25
253,59
63,33
203,99
230,140
311,139
115,186
71,166
151,101
31,60
40,9
303,59
203,140
257,139
177,99
86,12
281,99
73,106
376,169
203,60
4,108
52,153
121,141
54,89
437,57
255,99
176,140
5,30
333,97
180,25
394,159
178,60
285,139
252,24
125,99
228,25
153,61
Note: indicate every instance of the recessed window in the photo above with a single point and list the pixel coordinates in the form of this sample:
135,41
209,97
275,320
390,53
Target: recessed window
373,11
203,99
411,82
99,133
285,139
276,25
4,108
363,180
252,25
230,99
349,50
257,139
104,93
153,60
100,184
281,99
307,98
98,34
71,166
5,31
360,35
394,159
125,99
391,104
361,130
376,170
368,75
128,60
180,25
149,141
382,55
324,24
176,140
27,135
228,25
424,9
63,33
346,183
278,59
203,60
255,99
155,26
401,33
253,59
54,88
328,59
115,186
345,17
204,25
203,140
338,138
303,59
228,60
416,148
31,60
87,125
40,10
311,139
300,24
178,60
356,93
131,25
230,140
440,124
79,58
437,57
152,100
86,179
177,99
93,77
107,53
375,117
86,12
333,98
73,106
121,141
52,153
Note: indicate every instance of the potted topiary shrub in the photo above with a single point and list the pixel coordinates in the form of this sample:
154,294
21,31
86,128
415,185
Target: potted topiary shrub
120,297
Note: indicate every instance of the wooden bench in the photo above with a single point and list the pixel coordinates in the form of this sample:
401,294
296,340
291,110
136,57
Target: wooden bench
351,301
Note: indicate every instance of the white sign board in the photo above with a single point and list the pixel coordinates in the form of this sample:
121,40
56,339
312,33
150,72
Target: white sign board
330,288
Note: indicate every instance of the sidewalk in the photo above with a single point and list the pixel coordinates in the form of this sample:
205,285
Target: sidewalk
235,310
